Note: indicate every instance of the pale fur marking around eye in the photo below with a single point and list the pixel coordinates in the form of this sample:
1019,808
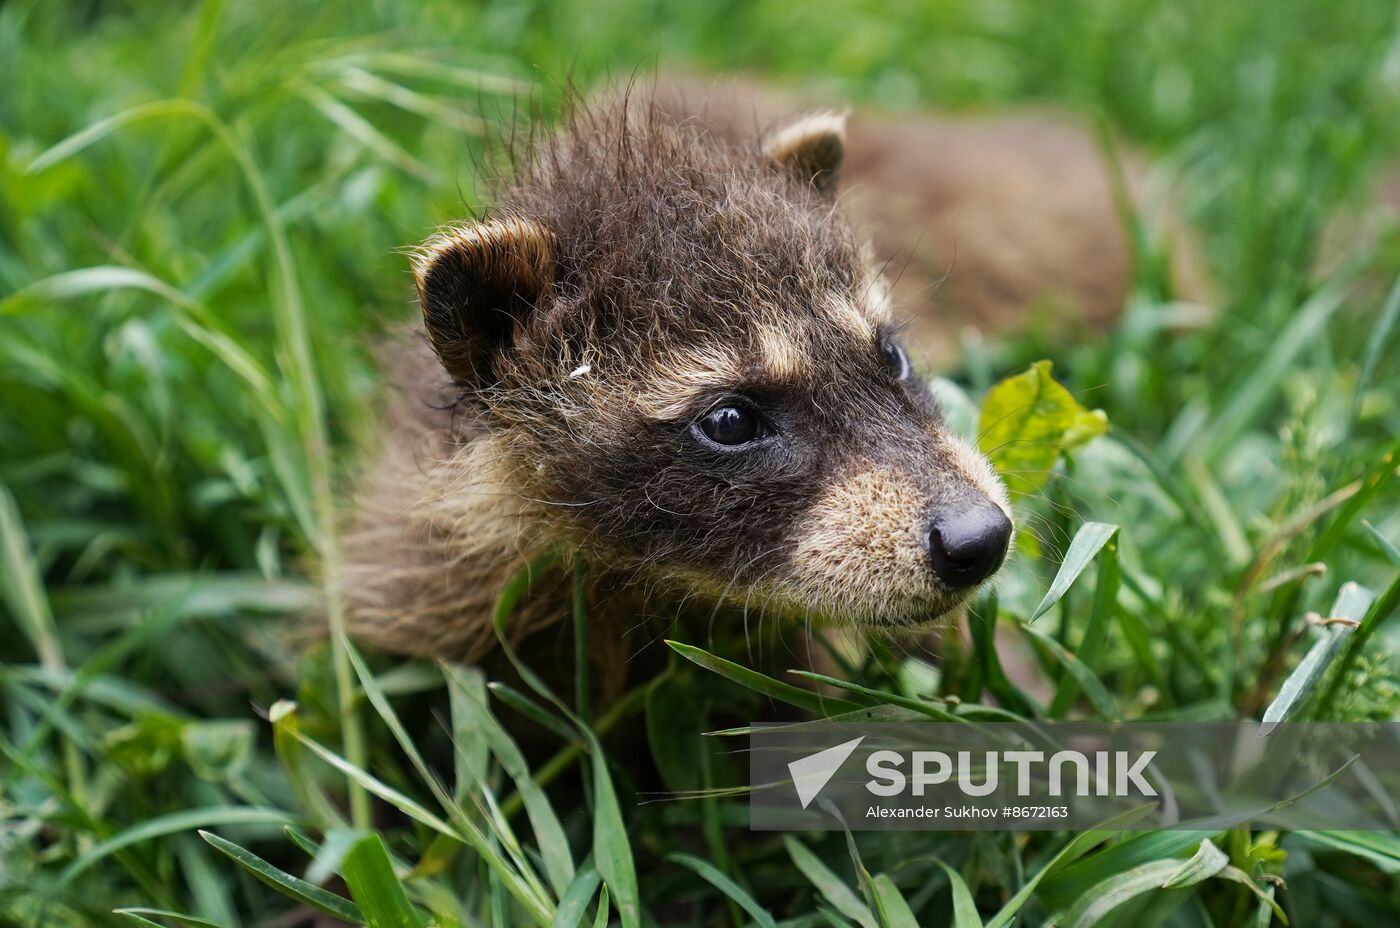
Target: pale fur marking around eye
782,356
675,384
850,317
880,299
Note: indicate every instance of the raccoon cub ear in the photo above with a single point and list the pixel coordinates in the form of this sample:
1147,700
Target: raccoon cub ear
476,282
812,148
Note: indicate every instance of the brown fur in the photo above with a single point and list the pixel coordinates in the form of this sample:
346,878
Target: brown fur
643,269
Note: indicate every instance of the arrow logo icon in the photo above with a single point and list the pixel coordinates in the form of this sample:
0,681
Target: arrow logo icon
811,774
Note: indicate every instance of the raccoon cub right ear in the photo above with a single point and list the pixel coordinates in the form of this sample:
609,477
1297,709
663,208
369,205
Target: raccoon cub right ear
476,283
812,148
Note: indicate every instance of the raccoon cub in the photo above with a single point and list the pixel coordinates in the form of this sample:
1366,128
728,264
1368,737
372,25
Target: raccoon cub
665,353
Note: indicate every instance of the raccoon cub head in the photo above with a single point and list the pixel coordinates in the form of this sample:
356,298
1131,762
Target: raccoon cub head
684,355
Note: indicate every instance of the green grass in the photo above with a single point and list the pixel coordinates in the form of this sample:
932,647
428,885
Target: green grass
199,207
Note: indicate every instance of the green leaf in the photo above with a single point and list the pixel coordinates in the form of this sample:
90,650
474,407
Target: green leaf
573,904
1380,612
675,716
1381,848
1091,685
1075,878
532,710
540,909
612,849
1028,420
291,754
1204,864
288,885
1096,634
982,621
1168,875
1235,874
22,588
1250,395
881,697
364,132
1351,603
549,832
138,919
466,687
1075,848
523,880
889,902
727,886
381,897
964,908
1087,542
218,749
1391,551
841,896
174,823
1375,346
601,919
137,914
815,703
1095,905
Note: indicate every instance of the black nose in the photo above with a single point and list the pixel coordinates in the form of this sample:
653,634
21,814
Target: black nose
967,547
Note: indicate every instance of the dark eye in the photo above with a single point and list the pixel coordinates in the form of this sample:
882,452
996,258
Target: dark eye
895,358
731,425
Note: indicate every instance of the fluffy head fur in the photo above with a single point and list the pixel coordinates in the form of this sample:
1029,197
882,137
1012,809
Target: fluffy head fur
643,271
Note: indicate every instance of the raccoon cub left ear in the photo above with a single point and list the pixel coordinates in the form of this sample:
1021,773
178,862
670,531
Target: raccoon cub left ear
812,148
476,284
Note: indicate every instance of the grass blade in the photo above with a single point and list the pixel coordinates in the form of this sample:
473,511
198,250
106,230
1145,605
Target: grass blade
1385,325
1204,864
1381,610
982,622
815,703
1074,849
880,697
1304,327
1091,685
1100,619
1352,603
286,884
612,849
890,903
724,884
549,832
964,908
833,890
601,919
364,132
1102,899
1088,541
137,914
1387,546
23,588
1379,847
174,823
573,904
291,754
370,876
538,908
1266,899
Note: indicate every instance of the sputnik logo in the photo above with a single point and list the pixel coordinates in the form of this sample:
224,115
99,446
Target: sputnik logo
811,774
